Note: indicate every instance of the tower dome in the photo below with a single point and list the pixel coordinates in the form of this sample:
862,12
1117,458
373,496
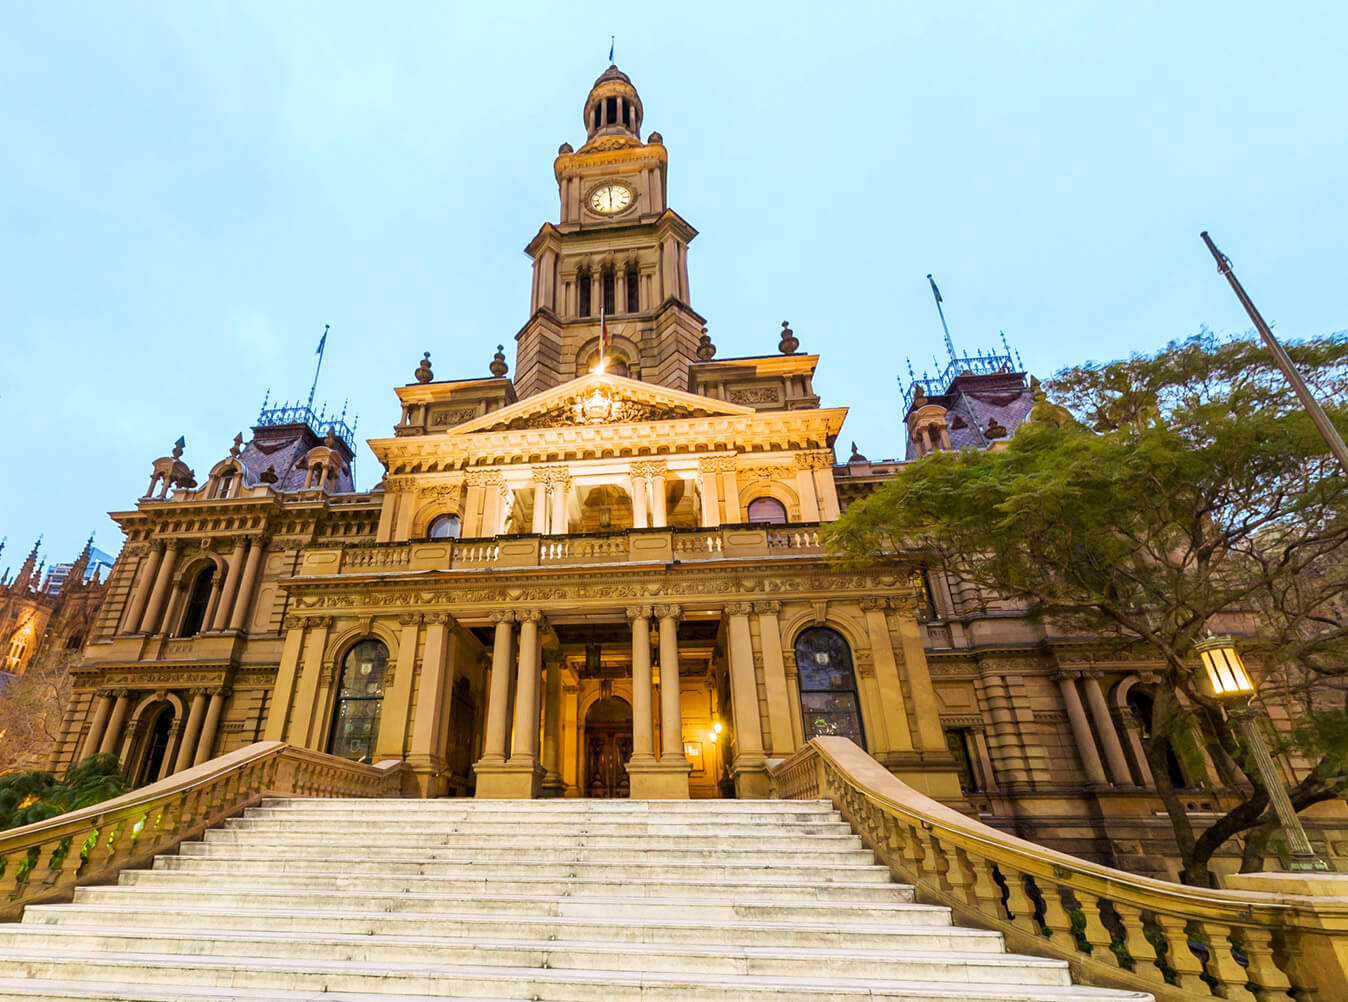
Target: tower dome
613,107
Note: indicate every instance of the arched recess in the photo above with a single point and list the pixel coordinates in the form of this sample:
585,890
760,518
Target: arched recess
358,699
603,508
225,480
140,725
829,695
620,349
1139,701
606,748
197,601
184,576
420,527
763,487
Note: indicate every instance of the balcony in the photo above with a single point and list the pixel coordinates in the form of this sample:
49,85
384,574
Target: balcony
511,552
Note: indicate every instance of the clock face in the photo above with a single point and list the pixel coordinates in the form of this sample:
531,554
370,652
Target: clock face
610,199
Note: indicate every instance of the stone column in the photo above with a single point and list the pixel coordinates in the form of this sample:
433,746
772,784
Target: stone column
926,709
659,518
144,584
749,769
892,700
398,691
188,748
150,621
283,690
809,498
640,513
112,737
305,728
170,750
711,498
825,489
540,524
561,494
206,743
435,682
1104,726
95,736
671,708
730,501
552,721
1081,729
244,598
643,746
780,730
1134,731
498,699
520,775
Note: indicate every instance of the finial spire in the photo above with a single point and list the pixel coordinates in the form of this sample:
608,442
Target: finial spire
949,345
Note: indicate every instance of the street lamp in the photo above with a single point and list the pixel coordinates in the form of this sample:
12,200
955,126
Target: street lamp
1233,686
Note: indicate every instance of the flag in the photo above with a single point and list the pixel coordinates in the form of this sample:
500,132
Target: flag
934,291
322,341
610,48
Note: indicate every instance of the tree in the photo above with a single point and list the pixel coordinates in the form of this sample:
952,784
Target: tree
1163,496
28,797
32,707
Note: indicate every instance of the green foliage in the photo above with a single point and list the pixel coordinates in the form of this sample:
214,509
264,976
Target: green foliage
28,797
1157,498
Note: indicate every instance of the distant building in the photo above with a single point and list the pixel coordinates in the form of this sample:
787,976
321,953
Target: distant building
45,621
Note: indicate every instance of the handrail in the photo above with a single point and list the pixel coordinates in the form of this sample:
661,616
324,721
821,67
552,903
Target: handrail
1180,943
49,859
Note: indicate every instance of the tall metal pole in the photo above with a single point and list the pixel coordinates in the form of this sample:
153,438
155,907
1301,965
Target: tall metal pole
1308,402
1302,857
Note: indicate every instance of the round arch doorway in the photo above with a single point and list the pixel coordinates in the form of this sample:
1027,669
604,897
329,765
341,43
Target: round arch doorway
608,746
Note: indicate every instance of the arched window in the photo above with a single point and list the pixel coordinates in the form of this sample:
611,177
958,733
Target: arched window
767,511
633,282
16,648
609,281
445,527
828,687
197,600
226,482
1143,710
75,641
355,720
584,285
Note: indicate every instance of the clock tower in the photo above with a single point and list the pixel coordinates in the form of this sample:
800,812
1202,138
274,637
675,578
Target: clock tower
617,250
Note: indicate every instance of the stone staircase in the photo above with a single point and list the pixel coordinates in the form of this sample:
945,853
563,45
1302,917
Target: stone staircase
567,900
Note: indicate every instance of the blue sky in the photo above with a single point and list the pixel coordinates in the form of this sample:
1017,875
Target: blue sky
189,192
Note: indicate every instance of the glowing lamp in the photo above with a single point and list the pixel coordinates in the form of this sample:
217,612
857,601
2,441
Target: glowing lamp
1226,671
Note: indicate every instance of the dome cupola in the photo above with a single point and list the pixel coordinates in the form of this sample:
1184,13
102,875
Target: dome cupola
613,107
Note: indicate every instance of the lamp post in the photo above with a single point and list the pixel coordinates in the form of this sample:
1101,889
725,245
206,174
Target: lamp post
1233,686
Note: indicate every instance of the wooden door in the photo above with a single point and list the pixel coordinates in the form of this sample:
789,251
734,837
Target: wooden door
607,750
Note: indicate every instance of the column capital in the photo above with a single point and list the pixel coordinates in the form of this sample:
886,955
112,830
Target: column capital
870,603
200,692
648,468
674,612
635,612
770,608
529,616
502,616
1067,674
437,618
409,618
737,608
483,478
719,463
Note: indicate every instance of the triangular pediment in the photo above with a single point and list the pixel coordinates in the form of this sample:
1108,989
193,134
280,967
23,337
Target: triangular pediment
601,399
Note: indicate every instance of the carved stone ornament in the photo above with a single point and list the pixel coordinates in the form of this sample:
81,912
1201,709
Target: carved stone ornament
872,602
409,618
738,608
483,478
649,468
635,612
755,395
446,493
673,612
717,464
771,608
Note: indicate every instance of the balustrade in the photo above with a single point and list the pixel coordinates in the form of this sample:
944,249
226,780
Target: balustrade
47,860
1182,944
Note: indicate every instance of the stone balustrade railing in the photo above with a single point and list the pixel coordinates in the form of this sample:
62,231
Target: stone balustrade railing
48,860
633,545
1180,943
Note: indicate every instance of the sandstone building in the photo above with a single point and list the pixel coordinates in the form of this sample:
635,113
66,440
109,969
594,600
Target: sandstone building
603,577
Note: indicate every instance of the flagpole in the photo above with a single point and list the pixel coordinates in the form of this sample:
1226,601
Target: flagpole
322,347
949,344
1308,402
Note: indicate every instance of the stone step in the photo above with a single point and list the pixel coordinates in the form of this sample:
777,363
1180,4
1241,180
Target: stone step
373,826
620,927
495,809
456,847
518,837
536,808
446,982
780,890
947,962
383,863
727,907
